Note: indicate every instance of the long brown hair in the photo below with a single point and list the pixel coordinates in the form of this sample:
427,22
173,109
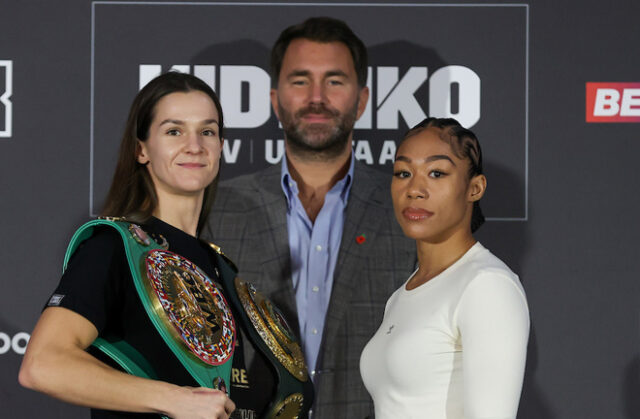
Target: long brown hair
132,194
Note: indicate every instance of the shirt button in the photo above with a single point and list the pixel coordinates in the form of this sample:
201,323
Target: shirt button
315,289
314,331
319,248
313,373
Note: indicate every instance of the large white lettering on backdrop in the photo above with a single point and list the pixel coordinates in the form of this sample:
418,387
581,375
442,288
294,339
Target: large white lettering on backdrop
394,96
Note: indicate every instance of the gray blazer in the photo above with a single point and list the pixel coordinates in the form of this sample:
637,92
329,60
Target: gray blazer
249,222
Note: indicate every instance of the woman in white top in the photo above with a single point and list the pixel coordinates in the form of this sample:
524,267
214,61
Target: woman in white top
453,340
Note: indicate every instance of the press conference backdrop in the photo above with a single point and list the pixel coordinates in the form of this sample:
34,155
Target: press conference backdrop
551,88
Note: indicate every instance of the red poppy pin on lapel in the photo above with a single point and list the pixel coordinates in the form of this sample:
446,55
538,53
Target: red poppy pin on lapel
361,239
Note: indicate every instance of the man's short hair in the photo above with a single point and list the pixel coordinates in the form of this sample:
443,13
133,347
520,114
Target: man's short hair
324,30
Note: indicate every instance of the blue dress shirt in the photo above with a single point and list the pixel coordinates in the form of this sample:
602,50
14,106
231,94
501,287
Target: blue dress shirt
314,249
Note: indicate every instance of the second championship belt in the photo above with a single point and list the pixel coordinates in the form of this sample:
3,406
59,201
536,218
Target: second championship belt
271,334
185,306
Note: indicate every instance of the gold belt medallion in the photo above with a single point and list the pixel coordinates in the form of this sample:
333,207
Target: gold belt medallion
273,329
290,407
194,306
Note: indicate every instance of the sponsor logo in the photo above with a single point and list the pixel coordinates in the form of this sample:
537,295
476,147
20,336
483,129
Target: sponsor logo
613,102
6,89
55,300
17,343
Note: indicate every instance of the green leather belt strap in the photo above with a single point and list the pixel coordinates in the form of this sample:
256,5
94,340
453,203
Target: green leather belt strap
120,351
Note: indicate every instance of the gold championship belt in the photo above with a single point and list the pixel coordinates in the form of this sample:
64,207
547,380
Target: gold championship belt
273,329
269,331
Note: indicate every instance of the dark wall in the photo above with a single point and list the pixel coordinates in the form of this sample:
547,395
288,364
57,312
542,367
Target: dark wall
562,191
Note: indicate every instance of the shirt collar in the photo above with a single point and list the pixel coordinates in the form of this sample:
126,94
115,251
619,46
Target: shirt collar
290,187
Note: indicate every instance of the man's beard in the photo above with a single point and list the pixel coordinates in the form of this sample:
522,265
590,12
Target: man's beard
317,142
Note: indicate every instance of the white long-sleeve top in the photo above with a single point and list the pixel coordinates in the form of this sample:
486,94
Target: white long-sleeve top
452,348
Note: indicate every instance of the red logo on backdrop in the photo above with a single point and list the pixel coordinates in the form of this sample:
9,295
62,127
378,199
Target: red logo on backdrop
613,102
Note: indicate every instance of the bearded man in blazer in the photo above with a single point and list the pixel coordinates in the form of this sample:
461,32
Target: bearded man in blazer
317,234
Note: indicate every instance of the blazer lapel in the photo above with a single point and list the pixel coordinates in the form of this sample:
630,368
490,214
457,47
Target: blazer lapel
359,231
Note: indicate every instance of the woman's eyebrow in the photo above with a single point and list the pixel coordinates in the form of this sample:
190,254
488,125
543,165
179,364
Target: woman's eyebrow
172,121
439,157
179,122
428,159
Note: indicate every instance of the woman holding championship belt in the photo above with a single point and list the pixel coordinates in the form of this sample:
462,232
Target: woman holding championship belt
453,339
142,319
